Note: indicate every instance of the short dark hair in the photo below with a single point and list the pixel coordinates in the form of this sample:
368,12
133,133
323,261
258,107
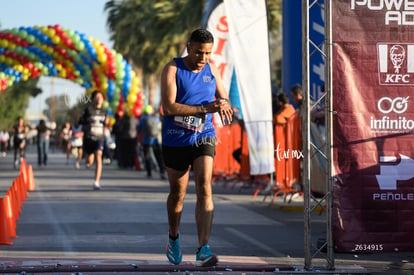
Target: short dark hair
201,36
282,97
94,93
297,89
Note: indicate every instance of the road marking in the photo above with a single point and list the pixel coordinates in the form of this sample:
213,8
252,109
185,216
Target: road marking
255,242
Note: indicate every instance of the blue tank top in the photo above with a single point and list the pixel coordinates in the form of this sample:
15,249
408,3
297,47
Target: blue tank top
192,89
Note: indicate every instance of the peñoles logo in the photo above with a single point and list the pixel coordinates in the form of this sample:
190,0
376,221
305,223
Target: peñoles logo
386,124
394,64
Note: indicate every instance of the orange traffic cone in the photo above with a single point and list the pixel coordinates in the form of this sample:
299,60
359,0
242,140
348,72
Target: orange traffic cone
30,179
11,221
18,195
4,228
23,172
17,199
22,188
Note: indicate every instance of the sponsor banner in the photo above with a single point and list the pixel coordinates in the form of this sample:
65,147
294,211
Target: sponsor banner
215,20
373,93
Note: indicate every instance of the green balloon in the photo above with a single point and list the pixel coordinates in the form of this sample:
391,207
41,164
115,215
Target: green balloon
30,39
23,34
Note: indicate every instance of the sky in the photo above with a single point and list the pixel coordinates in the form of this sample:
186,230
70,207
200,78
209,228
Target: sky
85,16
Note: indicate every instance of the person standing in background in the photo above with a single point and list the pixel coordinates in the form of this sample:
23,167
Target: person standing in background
20,134
149,126
4,139
43,135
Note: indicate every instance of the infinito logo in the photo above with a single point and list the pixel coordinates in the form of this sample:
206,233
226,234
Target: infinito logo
397,105
389,122
395,65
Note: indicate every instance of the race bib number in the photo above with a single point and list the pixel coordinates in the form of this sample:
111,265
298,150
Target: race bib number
193,123
97,131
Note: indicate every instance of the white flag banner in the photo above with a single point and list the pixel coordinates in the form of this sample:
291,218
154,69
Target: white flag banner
248,36
240,32
222,55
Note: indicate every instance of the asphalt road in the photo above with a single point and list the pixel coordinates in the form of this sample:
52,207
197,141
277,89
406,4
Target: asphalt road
66,227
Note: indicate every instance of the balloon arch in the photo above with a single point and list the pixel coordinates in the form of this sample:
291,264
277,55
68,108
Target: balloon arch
31,52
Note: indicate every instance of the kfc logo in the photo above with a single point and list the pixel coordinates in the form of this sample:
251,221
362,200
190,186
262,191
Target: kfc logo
397,56
396,64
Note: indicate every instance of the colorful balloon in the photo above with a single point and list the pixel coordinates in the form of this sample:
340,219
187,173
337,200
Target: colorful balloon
30,52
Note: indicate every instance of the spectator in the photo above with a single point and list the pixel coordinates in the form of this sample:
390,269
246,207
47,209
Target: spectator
4,139
149,126
285,110
20,133
43,135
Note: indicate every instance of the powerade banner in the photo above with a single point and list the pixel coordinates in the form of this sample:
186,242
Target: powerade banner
373,102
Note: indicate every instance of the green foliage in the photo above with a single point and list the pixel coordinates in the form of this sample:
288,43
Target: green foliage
15,100
150,33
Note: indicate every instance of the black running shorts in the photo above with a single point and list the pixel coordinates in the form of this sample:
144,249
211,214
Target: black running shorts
180,158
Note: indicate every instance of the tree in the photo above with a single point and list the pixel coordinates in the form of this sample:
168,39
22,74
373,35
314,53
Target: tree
15,100
60,106
150,33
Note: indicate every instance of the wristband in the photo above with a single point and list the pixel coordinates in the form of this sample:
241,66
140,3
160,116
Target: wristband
203,109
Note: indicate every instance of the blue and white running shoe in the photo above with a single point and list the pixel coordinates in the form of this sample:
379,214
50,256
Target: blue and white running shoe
205,258
173,253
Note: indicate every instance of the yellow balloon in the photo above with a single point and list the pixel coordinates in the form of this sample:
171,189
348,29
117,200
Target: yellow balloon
96,43
112,121
100,50
134,89
51,32
132,98
62,73
18,68
4,43
102,58
56,39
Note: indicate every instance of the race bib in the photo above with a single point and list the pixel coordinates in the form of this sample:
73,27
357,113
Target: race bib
193,123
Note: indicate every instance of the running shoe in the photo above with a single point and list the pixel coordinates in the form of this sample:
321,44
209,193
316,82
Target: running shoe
96,186
173,253
205,258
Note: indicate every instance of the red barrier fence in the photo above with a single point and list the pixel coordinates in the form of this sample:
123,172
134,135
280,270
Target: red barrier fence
11,204
288,155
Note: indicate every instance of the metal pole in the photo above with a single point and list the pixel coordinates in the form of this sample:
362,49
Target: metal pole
306,134
329,132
